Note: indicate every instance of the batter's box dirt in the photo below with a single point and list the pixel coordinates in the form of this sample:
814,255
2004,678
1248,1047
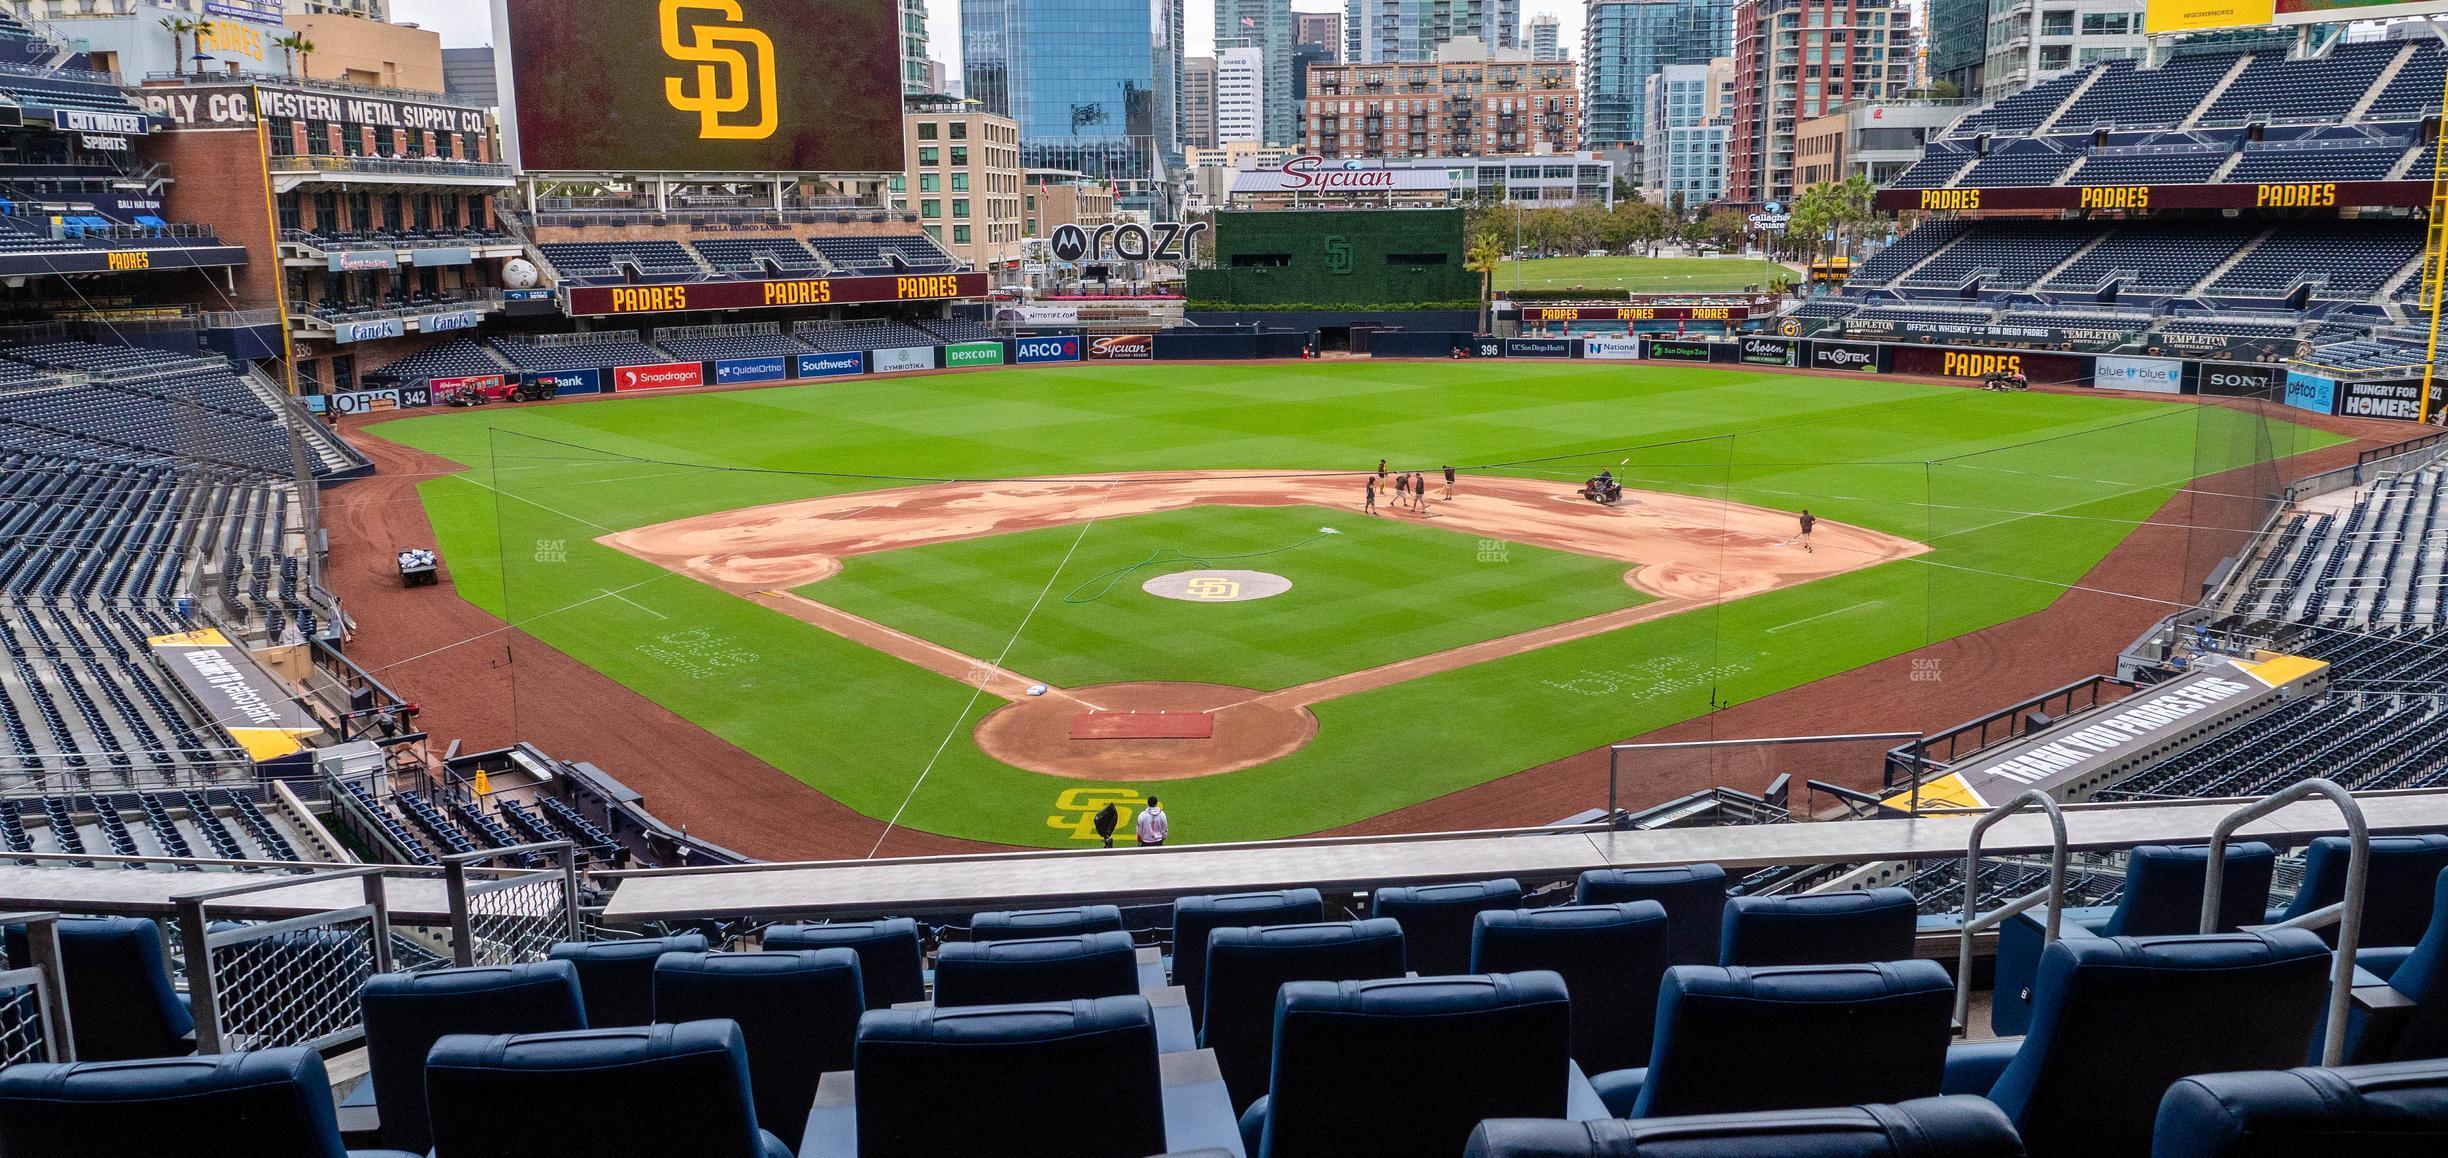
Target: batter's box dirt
1684,550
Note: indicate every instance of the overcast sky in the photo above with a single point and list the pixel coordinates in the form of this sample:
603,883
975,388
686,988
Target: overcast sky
468,23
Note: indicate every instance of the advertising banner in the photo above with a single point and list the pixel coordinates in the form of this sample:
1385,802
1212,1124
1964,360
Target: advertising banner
564,382
973,354
2311,392
1051,315
1315,174
1535,314
443,386
2401,398
459,320
1678,350
1612,348
444,255
366,331
2241,380
1028,351
1853,357
1539,347
1122,348
660,376
2149,375
833,365
1767,351
2262,195
371,401
248,702
903,358
360,260
92,121
1977,364
771,368
585,301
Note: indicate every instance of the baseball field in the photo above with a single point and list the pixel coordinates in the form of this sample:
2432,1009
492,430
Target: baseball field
984,604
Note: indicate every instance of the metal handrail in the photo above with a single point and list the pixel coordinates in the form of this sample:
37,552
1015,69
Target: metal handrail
455,884
43,971
198,938
1974,922
2350,920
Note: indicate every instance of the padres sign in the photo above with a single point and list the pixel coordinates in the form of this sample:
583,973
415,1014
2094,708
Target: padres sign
702,86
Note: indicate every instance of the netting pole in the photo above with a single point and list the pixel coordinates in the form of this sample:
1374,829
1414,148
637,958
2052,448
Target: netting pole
2435,267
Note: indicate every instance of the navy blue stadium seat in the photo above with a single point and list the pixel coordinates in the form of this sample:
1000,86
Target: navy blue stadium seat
892,961
2397,894
1410,1065
1247,968
1023,923
630,1092
1921,1128
617,977
1736,1040
2117,1020
2401,1002
798,1014
1073,1078
1694,896
273,1103
1195,917
406,1013
1611,958
1840,928
1436,919
1036,969
2162,898
2398,1110
121,1004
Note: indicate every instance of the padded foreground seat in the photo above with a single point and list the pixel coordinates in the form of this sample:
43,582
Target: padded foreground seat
634,1092
1023,923
2397,1110
1196,917
617,977
1248,968
1410,1065
121,1003
273,1103
1611,958
1693,895
1790,1038
1437,919
2397,894
1840,928
1922,1128
2117,1020
406,1013
1078,968
892,961
1081,1079
798,1014
2162,898
2401,995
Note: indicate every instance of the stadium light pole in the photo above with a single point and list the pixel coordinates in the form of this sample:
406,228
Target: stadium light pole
2435,275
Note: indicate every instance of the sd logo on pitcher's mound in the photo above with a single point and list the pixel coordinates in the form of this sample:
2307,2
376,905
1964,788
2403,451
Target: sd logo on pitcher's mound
1217,586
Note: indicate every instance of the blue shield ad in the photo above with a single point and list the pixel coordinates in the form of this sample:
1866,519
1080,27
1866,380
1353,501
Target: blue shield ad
735,370
570,381
832,365
1062,349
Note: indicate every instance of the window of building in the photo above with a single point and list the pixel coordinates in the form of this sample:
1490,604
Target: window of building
344,373
960,208
930,208
960,235
926,130
291,215
960,130
2057,23
929,155
960,155
930,182
2106,23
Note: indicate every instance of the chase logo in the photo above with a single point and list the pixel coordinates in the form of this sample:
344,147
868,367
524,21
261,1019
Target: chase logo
733,74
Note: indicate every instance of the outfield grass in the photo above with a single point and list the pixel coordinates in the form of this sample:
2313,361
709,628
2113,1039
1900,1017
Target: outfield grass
2018,495
1377,591
1648,275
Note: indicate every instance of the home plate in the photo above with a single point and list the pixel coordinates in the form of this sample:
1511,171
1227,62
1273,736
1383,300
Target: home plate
1103,725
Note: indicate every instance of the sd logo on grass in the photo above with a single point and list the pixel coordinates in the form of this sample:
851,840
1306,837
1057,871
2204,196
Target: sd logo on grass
1076,808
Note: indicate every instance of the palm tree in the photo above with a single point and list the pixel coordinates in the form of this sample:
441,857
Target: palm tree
293,48
178,27
1486,250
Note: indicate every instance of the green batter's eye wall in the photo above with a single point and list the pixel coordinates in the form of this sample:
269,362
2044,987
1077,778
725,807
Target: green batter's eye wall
1330,258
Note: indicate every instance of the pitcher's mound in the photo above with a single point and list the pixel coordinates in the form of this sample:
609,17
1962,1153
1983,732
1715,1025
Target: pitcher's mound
1217,586
1143,731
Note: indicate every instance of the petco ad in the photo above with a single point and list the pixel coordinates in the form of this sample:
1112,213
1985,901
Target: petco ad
659,377
832,365
903,358
2149,375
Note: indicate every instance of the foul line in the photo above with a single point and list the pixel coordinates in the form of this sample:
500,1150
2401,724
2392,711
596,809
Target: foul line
1824,615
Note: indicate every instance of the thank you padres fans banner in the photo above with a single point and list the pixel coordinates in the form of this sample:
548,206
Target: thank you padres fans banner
239,695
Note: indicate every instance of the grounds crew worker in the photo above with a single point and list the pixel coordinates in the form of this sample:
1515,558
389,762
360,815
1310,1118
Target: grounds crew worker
1152,824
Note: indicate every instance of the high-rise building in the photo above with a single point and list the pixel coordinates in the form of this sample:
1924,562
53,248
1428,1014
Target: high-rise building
2027,44
963,180
1265,25
914,47
1384,31
1240,96
1683,156
1198,126
1094,84
1957,38
1546,38
1305,56
1472,101
1323,29
1799,59
468,72
1625,42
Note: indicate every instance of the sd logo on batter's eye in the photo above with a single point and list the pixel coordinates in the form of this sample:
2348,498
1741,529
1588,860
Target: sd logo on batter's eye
734,73
1212,588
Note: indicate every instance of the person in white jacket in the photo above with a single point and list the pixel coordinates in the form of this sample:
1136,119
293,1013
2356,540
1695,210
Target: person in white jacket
1152,826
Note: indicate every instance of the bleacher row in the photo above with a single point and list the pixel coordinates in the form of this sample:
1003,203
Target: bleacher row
421,833
585,262
1635,1012
217,823
2352,83
2345,262
466,357
2381,563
